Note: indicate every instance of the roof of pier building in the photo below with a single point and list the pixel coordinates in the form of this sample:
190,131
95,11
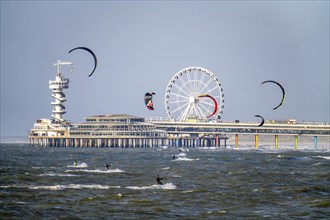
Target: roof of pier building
116,125
116,118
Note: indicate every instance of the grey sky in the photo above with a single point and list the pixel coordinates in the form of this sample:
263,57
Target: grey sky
140,45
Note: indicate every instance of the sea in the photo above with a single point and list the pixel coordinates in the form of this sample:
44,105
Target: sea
198,183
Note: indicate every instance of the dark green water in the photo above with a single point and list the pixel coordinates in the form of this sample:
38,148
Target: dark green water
42,183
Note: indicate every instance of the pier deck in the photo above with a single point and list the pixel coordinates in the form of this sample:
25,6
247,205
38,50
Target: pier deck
130,131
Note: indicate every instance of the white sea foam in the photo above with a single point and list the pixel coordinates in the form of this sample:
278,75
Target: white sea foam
79,165
166,168
21,202
176,176
97,171
36,168
181,155
316,164
210,148
57,174
188,191
168,186
324,157
163,147
184,159
63,187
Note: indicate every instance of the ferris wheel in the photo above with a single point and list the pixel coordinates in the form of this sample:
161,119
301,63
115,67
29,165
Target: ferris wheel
194,93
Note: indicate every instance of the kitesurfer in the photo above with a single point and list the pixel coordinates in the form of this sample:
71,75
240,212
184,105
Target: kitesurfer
74,163
107,166
159,180
173,158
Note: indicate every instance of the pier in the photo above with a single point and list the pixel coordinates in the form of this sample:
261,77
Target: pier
194,120
126,131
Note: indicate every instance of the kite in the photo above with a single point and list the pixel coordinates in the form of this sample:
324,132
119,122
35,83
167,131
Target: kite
262,122
283,92
148,100
91,52
215,103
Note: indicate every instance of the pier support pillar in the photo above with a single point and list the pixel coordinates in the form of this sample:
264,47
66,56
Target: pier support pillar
256,141
276,141
296,141
236,140
315,141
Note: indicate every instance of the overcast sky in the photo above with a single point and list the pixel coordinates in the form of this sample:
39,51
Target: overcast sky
140,45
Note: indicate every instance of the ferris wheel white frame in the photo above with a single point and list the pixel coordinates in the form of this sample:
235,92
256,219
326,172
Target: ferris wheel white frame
184,95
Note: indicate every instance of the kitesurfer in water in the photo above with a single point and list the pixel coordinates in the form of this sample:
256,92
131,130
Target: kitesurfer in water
107,166
74,163
173,158
159,179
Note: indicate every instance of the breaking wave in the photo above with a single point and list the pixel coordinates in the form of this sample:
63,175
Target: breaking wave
168,186
62,187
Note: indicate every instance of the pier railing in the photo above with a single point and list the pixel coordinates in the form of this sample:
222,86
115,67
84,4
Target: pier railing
289,122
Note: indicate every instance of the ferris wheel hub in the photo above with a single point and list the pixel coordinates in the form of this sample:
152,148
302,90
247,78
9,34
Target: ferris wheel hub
192,99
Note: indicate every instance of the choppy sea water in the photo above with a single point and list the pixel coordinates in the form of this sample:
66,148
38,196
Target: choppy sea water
208,183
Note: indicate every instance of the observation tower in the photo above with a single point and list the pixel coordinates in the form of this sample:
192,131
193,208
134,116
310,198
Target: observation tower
57,86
